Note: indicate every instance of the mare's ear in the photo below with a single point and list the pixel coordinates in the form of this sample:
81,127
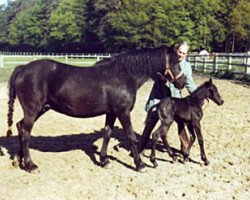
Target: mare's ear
171,49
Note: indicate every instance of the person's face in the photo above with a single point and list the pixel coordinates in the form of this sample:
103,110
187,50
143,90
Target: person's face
182,52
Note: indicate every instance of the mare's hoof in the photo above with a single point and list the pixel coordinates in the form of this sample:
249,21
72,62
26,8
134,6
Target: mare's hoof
141,168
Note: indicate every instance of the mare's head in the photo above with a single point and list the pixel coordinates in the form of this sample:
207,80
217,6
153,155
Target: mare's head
173,72
212,93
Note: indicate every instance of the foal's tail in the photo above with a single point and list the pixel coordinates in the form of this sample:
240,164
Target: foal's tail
150,113
150,123
12,97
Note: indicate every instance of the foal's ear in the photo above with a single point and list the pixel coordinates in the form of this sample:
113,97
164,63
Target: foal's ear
209,82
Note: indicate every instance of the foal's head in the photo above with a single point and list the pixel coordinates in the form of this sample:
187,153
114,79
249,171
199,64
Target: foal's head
212,93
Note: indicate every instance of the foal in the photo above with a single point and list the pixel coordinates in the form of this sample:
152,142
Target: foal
186,111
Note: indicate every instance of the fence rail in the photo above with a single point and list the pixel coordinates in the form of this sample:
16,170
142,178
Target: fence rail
7,59
236,63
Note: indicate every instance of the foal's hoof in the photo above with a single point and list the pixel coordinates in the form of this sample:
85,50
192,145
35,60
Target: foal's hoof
106,164
206,162
17,161
155,164
185,160
141,168
31,168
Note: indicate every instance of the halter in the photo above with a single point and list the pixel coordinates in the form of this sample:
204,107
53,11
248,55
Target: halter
168,71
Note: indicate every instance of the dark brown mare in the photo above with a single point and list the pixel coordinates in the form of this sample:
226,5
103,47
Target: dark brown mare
185,111
109,87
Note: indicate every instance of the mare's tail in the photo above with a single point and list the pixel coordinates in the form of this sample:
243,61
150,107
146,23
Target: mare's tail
12,97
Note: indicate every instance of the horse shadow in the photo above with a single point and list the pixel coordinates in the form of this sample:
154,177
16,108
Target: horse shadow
69,142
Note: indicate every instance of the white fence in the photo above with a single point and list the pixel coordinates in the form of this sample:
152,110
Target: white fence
13,59
237,63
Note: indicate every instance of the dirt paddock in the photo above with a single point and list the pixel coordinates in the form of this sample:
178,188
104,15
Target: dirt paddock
67,152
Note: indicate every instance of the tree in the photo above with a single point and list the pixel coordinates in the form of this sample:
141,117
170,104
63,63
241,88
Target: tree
131,24
240,25
67,22
29,27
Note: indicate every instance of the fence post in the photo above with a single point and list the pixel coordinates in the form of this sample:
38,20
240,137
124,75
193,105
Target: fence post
204,64
229,66
66,58
195,62
247,69
1,60
215,62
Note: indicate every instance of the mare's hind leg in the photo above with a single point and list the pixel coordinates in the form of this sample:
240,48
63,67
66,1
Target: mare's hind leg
109,125
24,130
125,120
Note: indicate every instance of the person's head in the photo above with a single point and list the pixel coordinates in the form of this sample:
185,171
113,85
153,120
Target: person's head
182,50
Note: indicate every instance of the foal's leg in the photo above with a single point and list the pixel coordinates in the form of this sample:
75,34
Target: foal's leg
109,125
147,130
191,141
125,120
161,132
197,128
183,137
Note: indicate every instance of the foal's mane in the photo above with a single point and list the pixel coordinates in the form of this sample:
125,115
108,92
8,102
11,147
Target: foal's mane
200,92
146,61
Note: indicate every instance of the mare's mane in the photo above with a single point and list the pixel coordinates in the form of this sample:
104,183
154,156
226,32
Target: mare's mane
146,61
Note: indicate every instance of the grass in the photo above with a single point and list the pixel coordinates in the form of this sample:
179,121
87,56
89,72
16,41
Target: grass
8,68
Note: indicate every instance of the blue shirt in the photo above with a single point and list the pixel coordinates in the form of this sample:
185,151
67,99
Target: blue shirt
156,93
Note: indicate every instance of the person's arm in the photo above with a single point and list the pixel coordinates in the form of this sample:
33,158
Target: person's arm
190,84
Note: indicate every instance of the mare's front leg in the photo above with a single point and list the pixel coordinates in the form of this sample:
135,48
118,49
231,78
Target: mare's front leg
109,125
197,128
125,120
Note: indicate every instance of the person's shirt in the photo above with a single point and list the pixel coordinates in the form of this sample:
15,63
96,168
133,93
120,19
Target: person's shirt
156,93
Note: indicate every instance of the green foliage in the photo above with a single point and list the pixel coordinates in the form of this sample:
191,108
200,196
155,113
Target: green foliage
67,21
118,25
26,28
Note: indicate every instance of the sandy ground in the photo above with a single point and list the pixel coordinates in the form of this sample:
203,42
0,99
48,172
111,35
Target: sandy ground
67,152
